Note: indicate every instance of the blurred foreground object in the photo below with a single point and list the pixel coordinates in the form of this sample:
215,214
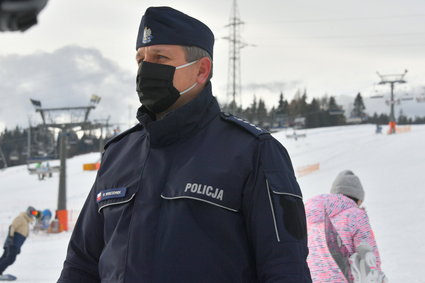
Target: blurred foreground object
19,15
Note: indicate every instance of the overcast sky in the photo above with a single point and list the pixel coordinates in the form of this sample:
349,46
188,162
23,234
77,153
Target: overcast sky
327,47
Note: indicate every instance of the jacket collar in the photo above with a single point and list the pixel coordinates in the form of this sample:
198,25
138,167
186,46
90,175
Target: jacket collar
182,122
27,218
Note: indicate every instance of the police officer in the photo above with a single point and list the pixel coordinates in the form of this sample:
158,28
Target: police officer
189,194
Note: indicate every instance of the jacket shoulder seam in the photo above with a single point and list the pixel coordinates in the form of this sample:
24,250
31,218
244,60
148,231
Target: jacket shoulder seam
120,136
244,124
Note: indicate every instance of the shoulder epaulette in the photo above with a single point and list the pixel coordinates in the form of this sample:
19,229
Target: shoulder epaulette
123,134
244,124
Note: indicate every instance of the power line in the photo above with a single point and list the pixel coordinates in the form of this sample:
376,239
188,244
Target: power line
325,20
344,46
353,36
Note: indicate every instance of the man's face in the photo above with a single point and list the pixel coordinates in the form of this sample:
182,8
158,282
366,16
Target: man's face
172,55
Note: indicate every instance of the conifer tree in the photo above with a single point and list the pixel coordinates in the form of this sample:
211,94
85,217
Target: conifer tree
359,107
261,112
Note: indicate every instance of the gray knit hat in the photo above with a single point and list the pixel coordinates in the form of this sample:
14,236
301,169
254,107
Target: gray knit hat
348,184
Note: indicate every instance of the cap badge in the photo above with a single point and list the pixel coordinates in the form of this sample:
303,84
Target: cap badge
147,35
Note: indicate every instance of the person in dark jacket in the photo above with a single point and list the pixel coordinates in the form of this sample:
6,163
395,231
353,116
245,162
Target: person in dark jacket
189,194
18,232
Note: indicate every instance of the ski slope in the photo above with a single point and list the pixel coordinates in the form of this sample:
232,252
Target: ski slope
391,169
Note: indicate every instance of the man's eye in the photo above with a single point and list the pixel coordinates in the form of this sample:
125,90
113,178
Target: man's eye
162,57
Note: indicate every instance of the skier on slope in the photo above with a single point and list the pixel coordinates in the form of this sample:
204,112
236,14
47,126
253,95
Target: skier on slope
18,232
351,223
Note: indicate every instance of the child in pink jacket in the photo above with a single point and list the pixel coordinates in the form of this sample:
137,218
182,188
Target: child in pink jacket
351,223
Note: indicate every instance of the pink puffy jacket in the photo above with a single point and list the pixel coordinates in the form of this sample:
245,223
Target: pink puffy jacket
352,225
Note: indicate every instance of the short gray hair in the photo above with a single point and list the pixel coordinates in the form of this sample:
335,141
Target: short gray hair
195,53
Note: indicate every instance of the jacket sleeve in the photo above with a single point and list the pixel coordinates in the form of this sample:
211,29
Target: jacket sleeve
15,225
85,246
18,224
9,240
363,233
275,216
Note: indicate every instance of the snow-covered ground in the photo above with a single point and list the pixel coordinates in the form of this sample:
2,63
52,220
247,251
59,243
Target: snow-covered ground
42,254
391,169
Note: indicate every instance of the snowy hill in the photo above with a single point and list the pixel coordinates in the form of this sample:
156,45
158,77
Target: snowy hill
391,169
42,254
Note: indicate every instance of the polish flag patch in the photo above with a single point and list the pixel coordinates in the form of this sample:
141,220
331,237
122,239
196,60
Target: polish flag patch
99,197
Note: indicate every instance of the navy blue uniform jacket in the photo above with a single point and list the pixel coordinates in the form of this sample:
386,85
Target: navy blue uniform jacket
197,196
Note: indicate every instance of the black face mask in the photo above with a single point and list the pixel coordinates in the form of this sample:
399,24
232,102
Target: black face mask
154,85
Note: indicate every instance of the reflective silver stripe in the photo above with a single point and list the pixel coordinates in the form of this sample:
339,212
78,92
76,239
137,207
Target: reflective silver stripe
289,194
114,203
271,207
228,208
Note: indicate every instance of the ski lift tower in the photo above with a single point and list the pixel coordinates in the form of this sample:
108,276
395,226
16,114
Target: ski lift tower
57,118
234,65
392,79
102,124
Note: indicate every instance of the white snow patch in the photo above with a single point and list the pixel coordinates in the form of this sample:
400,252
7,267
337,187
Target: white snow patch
391,169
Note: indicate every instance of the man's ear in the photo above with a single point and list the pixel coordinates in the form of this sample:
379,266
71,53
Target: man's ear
204,70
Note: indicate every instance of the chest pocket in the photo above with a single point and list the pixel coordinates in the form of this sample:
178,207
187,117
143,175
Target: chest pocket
113,197
211,190
286,205
115,204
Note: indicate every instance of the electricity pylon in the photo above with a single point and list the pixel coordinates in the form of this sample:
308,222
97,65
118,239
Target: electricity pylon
234,65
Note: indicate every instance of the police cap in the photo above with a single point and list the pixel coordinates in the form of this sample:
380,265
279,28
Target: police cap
165,25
